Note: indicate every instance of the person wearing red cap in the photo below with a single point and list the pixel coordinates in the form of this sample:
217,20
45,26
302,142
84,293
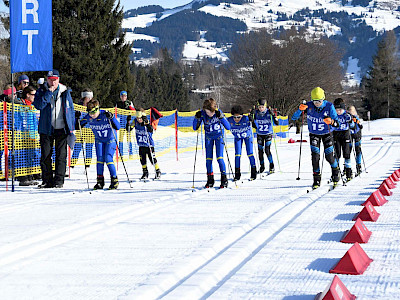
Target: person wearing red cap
56,126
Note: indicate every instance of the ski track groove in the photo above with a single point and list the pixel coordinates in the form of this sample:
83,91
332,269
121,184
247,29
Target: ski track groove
189,280
33,245
15,252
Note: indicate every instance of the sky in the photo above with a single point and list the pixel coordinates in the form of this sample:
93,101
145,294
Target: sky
129,4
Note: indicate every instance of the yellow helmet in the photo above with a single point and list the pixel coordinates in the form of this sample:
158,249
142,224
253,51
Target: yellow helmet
317,94
140,114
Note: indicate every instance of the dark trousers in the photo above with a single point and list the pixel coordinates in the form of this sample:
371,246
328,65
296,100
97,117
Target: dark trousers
145,151
315,142
59,138
342,142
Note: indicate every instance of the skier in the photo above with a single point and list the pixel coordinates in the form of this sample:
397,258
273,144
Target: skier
264,120
356,137
320,116
214,134
144,138
342,136
103,124
242,131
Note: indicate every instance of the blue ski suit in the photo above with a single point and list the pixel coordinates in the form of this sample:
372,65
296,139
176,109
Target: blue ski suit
320,131
214,134
242,132
104,131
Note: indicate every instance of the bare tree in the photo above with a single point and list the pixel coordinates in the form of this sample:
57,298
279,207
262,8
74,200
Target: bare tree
283,71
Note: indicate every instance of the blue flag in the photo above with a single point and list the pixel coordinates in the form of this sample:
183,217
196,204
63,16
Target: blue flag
31,35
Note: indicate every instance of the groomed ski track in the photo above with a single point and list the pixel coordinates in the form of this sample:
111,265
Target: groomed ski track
265,239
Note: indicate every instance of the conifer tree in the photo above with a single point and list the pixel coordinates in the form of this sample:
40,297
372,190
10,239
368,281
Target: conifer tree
89,48
382,81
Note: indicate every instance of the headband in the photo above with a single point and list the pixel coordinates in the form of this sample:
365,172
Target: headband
87,94
8,91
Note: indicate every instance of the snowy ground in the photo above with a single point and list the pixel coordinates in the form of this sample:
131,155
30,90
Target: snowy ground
266,239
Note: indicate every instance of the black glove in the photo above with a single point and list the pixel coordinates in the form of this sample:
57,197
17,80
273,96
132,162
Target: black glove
251,117
77,114
198,115
218,114
108,114
128,127
128,119
145,120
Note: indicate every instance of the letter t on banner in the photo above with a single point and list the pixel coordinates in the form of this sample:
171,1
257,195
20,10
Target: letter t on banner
31,35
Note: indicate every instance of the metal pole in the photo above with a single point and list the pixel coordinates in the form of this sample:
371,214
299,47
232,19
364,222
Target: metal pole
13,135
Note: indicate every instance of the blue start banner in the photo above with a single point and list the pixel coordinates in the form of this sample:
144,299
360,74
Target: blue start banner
31,35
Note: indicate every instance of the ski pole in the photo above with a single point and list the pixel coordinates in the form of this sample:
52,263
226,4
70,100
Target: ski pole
152,154
353,146
334,153
301,142
362,156
84,155
120,154
195,158
227,156
273,136
255,149
323,158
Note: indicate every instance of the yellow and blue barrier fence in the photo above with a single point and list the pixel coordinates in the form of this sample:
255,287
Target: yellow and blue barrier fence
174,133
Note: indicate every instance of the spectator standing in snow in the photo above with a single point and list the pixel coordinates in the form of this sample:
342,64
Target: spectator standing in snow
56,124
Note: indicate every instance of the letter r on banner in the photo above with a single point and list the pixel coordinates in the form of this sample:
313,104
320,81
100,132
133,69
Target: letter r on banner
31,35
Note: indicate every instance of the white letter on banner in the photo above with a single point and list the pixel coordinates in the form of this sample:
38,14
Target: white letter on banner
32,11
30,33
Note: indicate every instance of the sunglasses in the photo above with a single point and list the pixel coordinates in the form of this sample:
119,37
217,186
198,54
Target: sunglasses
320,100
32,94
94,110
237,117
25,82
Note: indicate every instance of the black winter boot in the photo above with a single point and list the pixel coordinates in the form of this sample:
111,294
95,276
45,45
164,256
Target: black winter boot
224,181
158,174
114,183
253,174
262,168
145,174
349,174
100,183
271,168
335,176
359,169
237,174
210,181
317,180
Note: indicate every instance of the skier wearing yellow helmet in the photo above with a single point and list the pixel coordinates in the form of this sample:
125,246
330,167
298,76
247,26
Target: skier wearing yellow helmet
321,115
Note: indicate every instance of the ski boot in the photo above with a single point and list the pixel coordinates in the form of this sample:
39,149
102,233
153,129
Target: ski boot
335,176
271,168
100,183
210,181
359,169
114,183
224,181
237,174
158,174
145,174
317,180
262,168
349,174
253,173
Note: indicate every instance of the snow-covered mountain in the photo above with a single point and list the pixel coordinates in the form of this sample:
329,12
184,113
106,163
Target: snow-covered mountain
3,32
355,24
